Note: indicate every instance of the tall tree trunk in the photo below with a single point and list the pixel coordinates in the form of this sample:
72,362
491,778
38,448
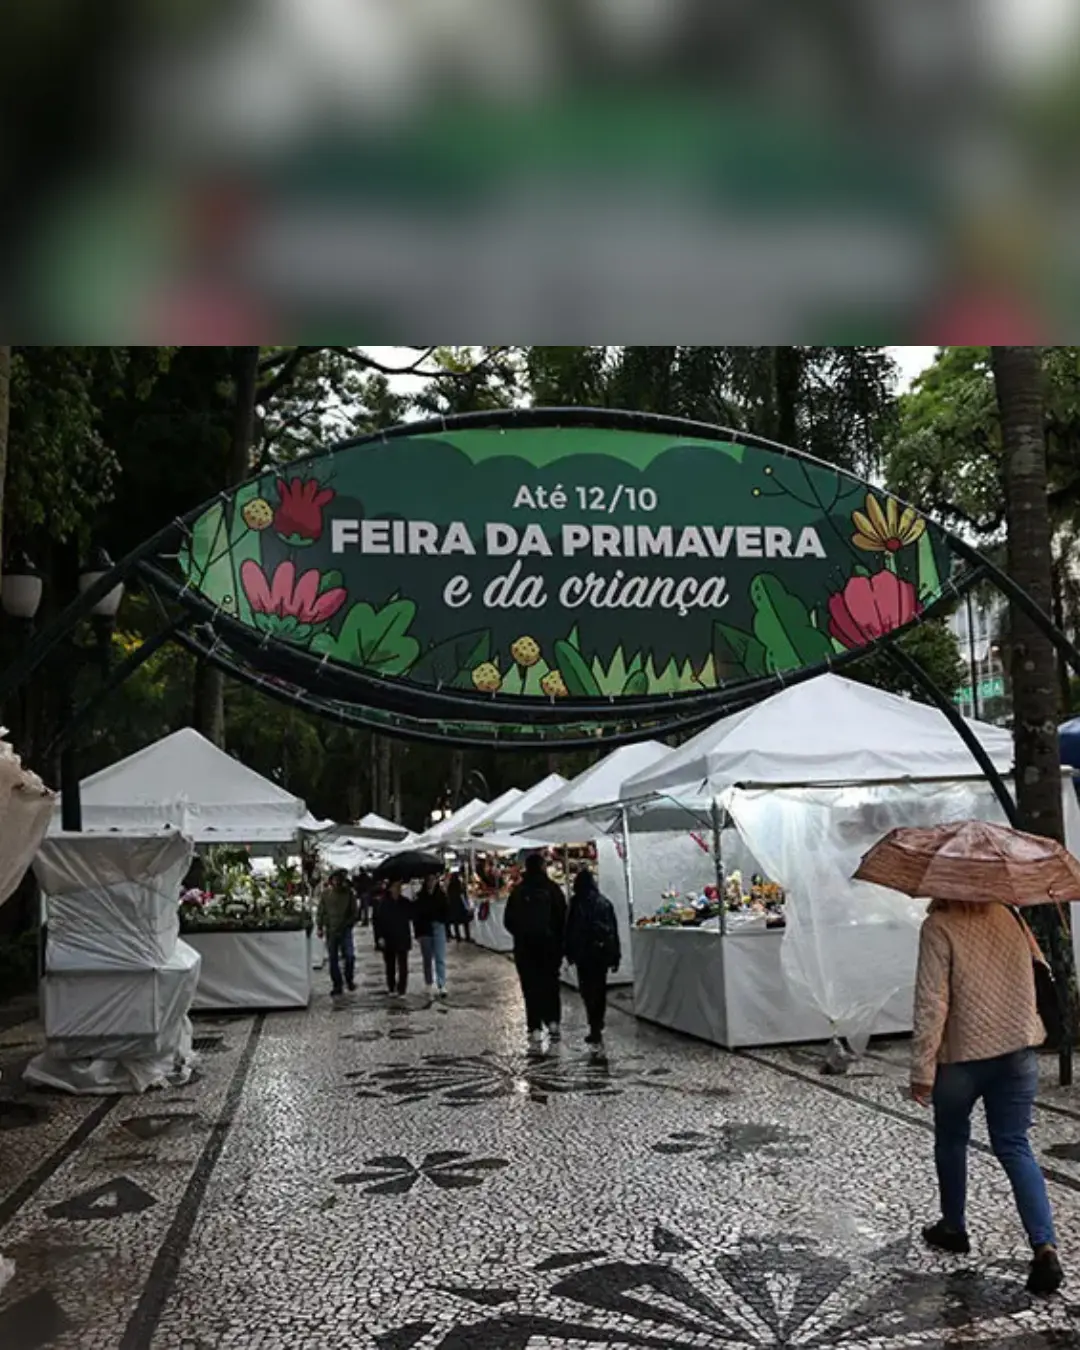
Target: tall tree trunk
457,778
5,419
1018,379
788,375
209,711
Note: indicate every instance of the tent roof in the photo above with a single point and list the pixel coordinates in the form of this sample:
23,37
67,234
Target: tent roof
501,803
510,818
597,785
185,782
828,729
376,822
458,823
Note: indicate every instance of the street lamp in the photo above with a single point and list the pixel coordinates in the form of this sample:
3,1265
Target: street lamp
21,592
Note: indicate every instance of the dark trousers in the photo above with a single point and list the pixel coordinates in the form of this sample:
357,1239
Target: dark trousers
456,929
342,953
397,971
592,981
539,976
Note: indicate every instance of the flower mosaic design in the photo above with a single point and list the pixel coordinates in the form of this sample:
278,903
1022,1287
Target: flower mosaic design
471,1080
289,607
737,1294
886,530
299,517
449,1171
728,1142
870,607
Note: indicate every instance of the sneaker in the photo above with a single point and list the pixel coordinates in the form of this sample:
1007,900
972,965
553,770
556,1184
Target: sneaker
555,1033
352,986
946,1239
594,1039
336,993
536,1040
441,992
1046,1275
429,989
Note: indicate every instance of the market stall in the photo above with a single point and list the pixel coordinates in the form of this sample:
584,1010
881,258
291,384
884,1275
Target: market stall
253,955
796,789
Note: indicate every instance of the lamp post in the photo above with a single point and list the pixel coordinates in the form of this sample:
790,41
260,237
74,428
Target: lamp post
21,593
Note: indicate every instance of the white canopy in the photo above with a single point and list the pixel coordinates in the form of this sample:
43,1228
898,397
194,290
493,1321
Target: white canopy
512,817
495,810
458,823
373,823
185,783
825,730
558,817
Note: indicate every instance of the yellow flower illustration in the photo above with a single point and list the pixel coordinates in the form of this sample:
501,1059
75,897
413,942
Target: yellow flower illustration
258,514
888,530
526,651
486,678
554,685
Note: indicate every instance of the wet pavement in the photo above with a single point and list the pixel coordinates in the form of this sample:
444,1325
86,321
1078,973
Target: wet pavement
385,1177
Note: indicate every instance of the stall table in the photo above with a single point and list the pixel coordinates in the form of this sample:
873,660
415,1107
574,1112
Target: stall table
266,969
730,988
490,932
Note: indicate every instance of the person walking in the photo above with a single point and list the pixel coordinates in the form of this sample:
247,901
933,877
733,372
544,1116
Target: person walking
430,915
460,910
536,919
393,934
593,948
336,919
976,1026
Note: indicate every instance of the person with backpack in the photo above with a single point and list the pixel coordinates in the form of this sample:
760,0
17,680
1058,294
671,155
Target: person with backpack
536,919
593,947
976,1027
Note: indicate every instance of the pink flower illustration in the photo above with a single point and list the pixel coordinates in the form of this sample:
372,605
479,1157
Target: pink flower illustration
285,606
299,518
870,607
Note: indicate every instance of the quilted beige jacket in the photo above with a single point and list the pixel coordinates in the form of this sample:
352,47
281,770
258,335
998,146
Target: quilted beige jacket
974,991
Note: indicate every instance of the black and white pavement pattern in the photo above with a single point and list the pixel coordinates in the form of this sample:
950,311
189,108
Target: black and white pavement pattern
407,1176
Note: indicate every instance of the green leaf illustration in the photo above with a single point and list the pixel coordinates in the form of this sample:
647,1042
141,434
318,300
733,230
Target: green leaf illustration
376,640
637,685
453,662
782,625
580,681
733,647
929,577
330,581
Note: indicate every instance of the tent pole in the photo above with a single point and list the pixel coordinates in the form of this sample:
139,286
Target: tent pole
719,865
628,871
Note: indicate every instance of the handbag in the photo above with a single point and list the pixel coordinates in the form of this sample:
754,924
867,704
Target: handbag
1047,994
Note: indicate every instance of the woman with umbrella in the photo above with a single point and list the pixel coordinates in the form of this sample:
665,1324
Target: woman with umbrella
977,1017
394,914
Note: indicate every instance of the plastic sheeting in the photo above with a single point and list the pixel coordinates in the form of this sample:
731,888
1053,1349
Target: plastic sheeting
110,904
491,932
26,807
118,983
253,970
848,947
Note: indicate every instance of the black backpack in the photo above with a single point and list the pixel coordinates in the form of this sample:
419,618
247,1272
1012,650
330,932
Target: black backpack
600,932
534,917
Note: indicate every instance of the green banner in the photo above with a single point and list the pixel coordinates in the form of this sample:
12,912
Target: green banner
577,560
993,687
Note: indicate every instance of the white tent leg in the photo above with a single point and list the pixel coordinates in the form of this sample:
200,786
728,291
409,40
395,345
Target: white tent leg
628,870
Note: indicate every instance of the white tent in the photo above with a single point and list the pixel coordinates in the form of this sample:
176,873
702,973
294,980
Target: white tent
824,730
494,809
559,816
184,782
376,824
511,818
457,823
810,779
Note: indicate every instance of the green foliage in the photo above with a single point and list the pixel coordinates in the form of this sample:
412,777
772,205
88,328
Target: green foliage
933,645
374,639
783,627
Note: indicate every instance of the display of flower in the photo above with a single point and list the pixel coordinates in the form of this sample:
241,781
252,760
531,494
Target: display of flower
287,607
870,607
299,517
888,530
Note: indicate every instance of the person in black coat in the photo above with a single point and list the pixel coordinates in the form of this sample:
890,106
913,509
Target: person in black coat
460,912
393,932
536,920
430,916
593,947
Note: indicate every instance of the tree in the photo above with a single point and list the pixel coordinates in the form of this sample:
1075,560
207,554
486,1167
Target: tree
1018,381
5,417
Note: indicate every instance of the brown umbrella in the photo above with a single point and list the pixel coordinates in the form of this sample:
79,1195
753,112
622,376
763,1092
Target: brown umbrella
975,861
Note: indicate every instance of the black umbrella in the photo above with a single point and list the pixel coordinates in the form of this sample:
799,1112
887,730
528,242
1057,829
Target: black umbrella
407,866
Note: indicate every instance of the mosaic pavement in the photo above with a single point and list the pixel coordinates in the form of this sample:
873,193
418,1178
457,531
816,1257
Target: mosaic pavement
384,1178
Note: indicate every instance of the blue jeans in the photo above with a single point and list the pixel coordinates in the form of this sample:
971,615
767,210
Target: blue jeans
1007,1086
341,949
433,955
